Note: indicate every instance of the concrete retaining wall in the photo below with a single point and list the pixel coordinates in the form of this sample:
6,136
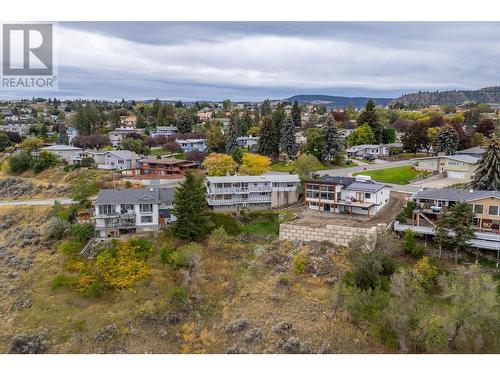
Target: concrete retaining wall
338,235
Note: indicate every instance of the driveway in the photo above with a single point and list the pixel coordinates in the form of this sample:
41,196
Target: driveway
437,182
36,202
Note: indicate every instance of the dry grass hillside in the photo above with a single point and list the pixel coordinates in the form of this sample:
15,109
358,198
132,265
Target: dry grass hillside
243,295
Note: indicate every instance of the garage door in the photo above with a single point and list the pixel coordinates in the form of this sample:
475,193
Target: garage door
455,174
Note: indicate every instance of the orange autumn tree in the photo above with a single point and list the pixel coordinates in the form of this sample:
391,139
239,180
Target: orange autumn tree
254,164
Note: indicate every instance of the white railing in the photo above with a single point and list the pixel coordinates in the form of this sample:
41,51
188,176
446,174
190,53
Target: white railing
248,189
237,200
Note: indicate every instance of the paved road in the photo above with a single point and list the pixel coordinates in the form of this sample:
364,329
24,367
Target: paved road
36,202
370,167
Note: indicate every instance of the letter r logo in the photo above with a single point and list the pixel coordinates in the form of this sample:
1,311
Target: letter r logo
27,49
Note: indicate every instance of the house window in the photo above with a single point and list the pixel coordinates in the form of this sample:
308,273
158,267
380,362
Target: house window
106,209
146,219
146,208
368,195
478,208
120,161
493,210
126,207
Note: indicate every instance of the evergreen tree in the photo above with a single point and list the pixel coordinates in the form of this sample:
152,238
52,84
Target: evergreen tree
287,140
487,176
233,132
369,116
447,140
63,136
265,108
458,220
268,145
185,123
140,121
296,115
333,142
245,123
190,208
279,117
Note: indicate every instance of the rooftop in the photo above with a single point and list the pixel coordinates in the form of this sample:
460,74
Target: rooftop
462,158
455,195
61,148
164,161
124,154
131,196
261,178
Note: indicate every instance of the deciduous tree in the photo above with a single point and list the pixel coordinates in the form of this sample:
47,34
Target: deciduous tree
219,164
254,165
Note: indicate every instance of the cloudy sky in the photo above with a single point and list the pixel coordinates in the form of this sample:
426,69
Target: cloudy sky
254,61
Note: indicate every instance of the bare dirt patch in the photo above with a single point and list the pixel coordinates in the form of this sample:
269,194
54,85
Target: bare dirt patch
386,215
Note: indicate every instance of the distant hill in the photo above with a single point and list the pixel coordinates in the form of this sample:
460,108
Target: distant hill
337,101
454,97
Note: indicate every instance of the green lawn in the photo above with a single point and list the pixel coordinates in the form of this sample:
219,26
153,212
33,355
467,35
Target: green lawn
395,175
289,167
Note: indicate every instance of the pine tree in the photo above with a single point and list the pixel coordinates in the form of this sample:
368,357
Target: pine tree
268,145
185,123
447,140
233,132
333,142
287,141
63,135
296,115
265,108
369,116
459,220
487,176
190,208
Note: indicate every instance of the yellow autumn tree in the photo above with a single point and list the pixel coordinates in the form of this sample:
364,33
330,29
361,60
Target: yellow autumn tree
254,164
219,164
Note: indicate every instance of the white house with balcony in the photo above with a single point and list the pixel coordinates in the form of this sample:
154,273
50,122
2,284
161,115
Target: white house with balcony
132,210
189,145
167,131
350,195
235,193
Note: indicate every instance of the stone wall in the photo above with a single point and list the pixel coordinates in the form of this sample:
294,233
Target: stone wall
338,235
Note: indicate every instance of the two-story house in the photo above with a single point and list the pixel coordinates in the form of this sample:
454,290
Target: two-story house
167,131
119,134
163,167
352,195
119,160
247,142
432,203
234,193
189,145
375,150
461,167
69,154
132,210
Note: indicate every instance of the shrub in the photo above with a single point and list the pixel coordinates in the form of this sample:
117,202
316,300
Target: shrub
62,281
70,248
427,271
177,296
87,162
406,212
227,221
300,261
218,238
56,228
20,162
371,271
81,232
43,161
166,252
142,247
186,256
410,245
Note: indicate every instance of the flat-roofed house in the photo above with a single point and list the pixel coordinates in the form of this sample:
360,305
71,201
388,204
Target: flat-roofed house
460,166
339,194
132,210
235,193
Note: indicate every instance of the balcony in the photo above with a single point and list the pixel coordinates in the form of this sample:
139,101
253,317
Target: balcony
236,190
237,199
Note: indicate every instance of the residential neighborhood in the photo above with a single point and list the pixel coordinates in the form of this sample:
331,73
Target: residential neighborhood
260,212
